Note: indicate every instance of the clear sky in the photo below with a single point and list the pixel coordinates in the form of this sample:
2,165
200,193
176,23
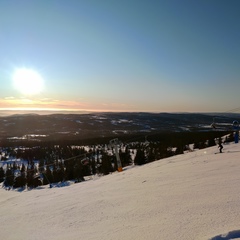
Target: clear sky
128,55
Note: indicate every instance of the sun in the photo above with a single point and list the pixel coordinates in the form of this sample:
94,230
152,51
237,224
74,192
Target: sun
27,81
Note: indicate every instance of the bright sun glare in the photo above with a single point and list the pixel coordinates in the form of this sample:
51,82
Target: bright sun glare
27,81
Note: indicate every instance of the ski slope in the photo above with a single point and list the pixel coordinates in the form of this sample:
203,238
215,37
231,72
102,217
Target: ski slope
194,196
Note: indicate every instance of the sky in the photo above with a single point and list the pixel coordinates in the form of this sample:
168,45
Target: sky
129,55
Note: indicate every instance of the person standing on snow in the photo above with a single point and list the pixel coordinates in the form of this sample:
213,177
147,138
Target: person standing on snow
220,146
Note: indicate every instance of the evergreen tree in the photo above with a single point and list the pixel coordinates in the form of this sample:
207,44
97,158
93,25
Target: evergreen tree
157,153
58,172
30,175
106,164
9,178
150,154
93,164
125,157
78,171
140,157
41,165
14,167
2,174
37,181
20,181
114,163
179,150
196,145
47,176
69,172
211,142
54,174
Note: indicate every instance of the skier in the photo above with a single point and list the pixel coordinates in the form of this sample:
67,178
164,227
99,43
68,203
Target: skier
220,146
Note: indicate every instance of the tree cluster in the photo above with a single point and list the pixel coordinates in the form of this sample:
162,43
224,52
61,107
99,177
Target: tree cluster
41,165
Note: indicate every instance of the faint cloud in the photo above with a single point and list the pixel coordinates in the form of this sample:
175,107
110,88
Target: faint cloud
9,98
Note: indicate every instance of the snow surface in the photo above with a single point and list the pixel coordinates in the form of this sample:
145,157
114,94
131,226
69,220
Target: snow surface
191,196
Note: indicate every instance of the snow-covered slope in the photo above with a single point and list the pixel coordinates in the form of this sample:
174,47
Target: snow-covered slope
191,196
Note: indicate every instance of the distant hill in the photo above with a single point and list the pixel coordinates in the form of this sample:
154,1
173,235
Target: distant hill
97,125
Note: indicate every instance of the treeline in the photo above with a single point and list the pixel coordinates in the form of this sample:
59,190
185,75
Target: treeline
40,166
33,166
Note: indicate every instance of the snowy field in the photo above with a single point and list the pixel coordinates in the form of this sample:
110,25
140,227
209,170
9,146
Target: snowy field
194,196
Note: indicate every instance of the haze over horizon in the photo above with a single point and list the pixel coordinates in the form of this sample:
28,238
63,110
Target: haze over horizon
128,56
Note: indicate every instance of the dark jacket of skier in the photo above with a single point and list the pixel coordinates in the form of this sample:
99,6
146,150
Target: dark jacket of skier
220,146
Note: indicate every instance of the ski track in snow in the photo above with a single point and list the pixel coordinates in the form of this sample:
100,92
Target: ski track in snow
193,196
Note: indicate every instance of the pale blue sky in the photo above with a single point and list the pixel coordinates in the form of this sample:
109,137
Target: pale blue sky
133,55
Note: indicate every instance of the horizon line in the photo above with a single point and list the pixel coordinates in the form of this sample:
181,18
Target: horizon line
43,111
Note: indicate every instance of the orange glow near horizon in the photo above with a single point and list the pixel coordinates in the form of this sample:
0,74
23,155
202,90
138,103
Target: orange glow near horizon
46,104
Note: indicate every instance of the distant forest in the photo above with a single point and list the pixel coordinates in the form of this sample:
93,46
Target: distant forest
31,164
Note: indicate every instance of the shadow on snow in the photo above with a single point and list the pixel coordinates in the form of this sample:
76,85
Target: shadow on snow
227,236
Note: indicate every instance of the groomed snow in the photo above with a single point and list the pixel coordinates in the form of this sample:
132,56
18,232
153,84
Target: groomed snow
194,196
